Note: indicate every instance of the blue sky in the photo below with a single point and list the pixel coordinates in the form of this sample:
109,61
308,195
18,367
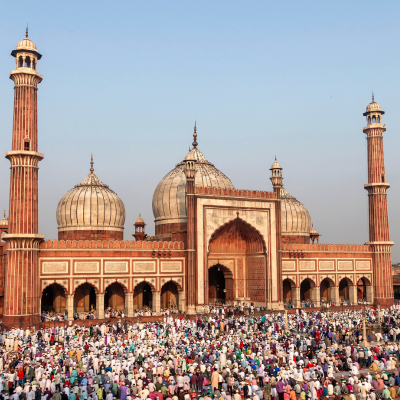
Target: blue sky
126,80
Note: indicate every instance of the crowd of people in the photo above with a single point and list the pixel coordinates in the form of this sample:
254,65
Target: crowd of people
226,356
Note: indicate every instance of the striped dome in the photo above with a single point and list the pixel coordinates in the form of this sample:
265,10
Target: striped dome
91,205
169,198
295,218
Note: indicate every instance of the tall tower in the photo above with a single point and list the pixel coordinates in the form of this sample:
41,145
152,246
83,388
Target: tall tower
276,179
377,201
22,290
190,173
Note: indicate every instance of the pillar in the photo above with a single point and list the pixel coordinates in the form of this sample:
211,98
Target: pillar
156,302
353,295
100,305
129,305
315,296
379,238
182,301
296,297
22,285
369,293
190,173
335,295
70,307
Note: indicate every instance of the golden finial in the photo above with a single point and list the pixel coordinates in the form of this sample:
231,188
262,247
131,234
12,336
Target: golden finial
91,165
373,99
275,157
194,136
4,213
26,34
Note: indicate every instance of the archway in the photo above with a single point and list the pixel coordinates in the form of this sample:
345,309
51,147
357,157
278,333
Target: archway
306,288
114,297
142,296
240,241
85,298
364,290
216,285
344,289
325,290
54,299
288,295
169,295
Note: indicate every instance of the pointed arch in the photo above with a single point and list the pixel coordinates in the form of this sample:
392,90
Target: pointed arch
237,235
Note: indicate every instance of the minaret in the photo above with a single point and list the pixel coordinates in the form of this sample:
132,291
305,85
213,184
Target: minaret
140,233
377,200
190,173
22,289
276,179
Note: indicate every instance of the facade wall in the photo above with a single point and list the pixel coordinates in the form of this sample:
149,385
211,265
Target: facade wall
90,235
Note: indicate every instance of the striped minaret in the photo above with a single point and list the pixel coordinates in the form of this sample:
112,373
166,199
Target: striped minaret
22,291
378,213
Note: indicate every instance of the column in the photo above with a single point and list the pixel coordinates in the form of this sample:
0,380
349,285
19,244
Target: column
353,295
156,302
296,297
182,301
369,294
100,305
70,307
335,295
315,296
129,305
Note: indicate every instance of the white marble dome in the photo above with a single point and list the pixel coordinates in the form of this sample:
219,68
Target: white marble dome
26,44
295,218
91,205
169,198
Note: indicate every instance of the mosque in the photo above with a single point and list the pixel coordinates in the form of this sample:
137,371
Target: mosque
213,242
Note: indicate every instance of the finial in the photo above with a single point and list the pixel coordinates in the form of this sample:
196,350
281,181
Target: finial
195,136
26,34
91,165
4,213
140,215
275,157
373,100
237,214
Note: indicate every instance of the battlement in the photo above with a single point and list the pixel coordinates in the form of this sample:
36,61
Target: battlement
110,244
326,247
235,193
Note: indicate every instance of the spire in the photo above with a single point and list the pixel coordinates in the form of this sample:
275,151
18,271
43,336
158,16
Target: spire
91,165
373,99
4,213
194,136
26,34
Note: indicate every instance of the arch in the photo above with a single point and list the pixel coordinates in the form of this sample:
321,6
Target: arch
114,296
325,291
27,62
249,279
146,281
306,287
236,236
373,119
364,289
20,62
85,297
53,298
170,295
344,288
288,285
379,119
142,295
369,120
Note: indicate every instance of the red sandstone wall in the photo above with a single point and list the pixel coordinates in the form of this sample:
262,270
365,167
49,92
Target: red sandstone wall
90,235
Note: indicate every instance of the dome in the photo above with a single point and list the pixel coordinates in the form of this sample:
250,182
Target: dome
169,198
89,207
275,165
295,218
373,107
139,221
313,230
26,44
4,221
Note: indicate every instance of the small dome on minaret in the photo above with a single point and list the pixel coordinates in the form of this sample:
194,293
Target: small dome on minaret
139,229
4,221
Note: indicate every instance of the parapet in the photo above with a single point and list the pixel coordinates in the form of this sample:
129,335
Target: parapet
110,244
326,247
235,193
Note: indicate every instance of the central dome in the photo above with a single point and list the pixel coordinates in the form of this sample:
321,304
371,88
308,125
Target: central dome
91,210
169,198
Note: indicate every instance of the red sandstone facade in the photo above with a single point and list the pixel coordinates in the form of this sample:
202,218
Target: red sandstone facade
212,243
